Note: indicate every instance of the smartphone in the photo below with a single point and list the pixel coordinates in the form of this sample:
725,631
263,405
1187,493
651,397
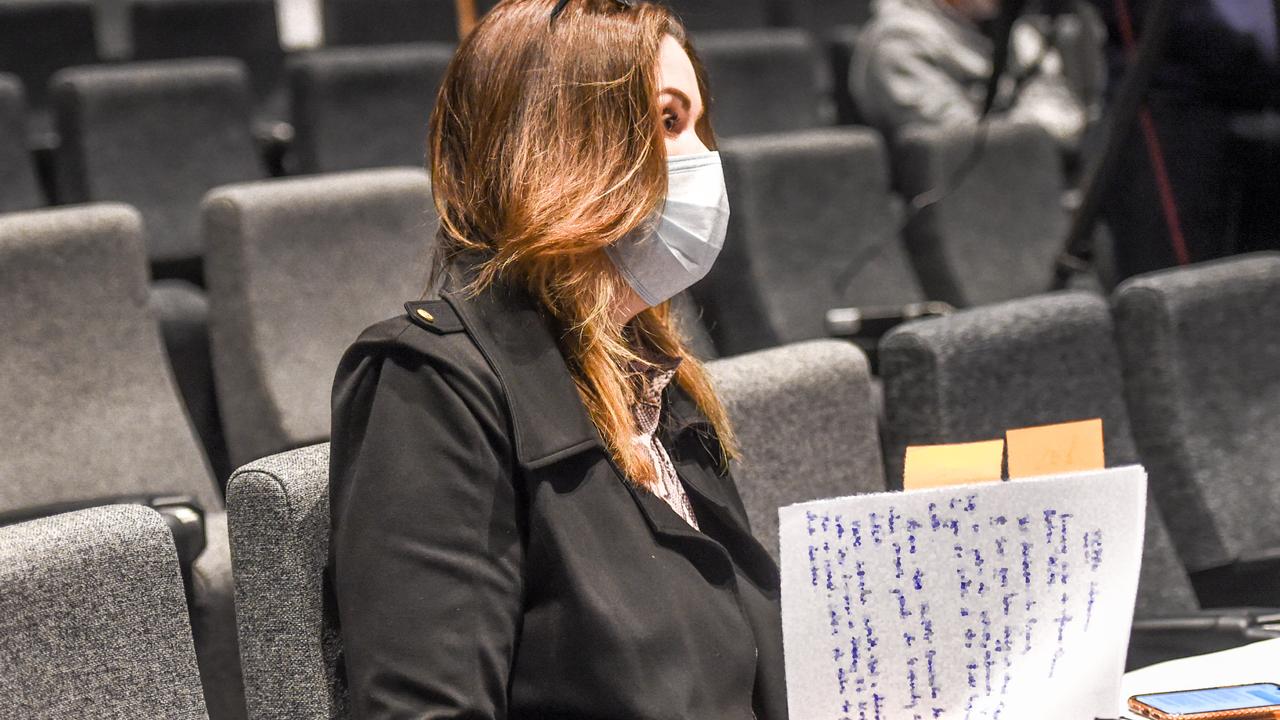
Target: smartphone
1260,700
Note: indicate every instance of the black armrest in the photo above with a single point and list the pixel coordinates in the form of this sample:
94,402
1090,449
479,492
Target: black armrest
1156,640
1268,619
182,514
1206,623
274,139
1262,633
1253,579
185,519
873,322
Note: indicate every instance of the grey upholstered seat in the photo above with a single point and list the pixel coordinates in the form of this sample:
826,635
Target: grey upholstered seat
40,37
19,188
297,268
243,29
813,227
365,107
1201,350
93,622
698,15
764,80
289,641
81,357
1016,364
373,22
805,422
157,136
996,235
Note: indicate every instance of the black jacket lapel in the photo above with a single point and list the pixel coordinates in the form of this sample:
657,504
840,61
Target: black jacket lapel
696,453
549,420
550,423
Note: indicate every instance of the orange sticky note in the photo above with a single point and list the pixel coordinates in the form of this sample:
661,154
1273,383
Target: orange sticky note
1050,449
929,466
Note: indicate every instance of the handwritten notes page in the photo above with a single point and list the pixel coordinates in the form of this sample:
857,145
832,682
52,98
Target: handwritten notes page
1009,600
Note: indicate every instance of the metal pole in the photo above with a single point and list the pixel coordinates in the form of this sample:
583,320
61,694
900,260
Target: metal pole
1124,111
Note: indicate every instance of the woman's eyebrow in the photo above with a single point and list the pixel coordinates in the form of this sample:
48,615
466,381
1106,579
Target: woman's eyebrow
682,97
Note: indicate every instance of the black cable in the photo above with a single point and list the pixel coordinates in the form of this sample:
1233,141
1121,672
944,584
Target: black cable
937,194
1001,42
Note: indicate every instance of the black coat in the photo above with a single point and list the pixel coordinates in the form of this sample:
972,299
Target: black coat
489,561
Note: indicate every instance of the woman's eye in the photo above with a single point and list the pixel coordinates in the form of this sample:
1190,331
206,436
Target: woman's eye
669,120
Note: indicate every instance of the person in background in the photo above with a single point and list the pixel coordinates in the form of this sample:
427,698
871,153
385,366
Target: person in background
928,62
532,511
1197,176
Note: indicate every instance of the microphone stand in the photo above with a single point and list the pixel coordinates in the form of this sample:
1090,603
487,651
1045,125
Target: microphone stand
1077,251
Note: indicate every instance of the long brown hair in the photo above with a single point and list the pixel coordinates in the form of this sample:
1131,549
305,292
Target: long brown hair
546,147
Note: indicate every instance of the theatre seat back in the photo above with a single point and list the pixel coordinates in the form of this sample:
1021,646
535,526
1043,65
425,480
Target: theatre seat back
289,643
806,424
91,408
1201,349
297,269
995,234
93,621
1047,359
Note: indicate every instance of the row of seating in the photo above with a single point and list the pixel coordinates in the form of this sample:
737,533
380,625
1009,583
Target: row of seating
160,136
92,413
804,419
317,92
40,37
1182,368
815,226
250,29
288,636
803,416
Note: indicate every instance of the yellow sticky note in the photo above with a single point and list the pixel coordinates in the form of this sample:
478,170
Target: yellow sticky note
929,466
1050,449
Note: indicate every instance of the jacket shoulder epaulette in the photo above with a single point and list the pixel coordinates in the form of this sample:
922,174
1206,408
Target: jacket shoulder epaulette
427,328
437,316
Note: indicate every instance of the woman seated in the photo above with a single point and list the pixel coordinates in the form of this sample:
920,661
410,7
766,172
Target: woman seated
532,511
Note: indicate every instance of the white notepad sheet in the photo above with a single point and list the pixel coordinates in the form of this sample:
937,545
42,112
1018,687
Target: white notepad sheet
1003,600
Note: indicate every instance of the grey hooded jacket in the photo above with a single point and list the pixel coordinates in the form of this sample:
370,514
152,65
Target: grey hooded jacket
920,62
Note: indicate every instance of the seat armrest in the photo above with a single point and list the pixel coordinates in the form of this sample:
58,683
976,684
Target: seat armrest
185,519
1204,622
873,322
1262,633
274,139
1156,640
1253,579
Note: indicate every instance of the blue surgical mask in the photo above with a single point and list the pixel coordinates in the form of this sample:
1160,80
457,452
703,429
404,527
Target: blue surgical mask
677,247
